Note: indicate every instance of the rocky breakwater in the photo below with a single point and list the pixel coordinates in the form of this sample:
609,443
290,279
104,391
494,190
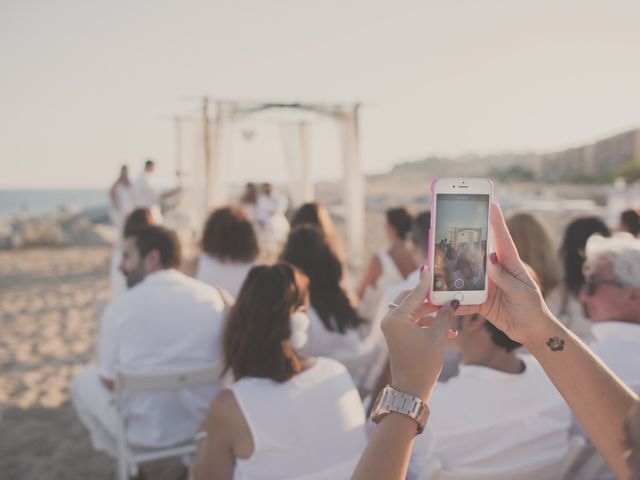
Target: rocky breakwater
67,226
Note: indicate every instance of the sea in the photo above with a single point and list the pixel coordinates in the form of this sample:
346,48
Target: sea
41,202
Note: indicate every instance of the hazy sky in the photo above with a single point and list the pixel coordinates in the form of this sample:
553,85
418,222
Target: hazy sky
86,86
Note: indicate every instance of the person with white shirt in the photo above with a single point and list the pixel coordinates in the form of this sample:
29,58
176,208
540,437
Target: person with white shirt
611,297
165,322
500,413
229,250
335,323
287,415
145,193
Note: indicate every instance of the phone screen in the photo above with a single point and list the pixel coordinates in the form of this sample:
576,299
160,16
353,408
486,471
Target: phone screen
460,255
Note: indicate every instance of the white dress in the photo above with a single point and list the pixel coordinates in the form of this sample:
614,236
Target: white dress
374,295
227,275
310,427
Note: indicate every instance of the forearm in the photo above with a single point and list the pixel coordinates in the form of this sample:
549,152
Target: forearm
587,386
387,454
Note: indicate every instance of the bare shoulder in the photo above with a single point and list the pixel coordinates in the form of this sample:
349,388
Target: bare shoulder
225,419
223,408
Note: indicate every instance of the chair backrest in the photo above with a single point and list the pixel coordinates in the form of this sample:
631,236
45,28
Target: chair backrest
147,382
554,471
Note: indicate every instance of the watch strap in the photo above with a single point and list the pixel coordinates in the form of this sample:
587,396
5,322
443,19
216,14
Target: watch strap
391,400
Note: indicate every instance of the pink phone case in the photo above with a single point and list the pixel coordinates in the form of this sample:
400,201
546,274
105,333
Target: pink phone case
432,228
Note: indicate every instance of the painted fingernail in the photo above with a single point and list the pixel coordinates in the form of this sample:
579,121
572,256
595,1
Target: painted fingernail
494,258
455,304
422,268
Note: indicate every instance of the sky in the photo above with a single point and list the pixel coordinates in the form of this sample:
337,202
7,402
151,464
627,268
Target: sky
88,86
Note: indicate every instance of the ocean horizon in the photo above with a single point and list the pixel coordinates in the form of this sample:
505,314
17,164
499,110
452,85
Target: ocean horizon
43,201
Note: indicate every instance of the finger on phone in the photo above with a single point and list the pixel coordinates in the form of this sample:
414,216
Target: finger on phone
414,301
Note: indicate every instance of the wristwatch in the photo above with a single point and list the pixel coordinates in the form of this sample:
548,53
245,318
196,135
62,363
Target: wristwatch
391,400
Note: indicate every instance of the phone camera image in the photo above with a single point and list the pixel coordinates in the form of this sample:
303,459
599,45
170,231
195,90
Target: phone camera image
460,255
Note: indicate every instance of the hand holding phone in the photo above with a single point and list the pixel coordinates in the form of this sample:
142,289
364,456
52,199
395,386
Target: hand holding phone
458,240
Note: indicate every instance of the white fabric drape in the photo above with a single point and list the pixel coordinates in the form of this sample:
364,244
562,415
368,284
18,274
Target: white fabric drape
295,143
353,185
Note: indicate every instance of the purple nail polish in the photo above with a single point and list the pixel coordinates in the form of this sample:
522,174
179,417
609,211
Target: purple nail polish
455,304
494,258
422,269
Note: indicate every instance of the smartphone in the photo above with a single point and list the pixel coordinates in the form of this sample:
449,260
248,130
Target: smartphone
458,240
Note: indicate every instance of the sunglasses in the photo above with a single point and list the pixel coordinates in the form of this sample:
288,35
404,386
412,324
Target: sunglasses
591,285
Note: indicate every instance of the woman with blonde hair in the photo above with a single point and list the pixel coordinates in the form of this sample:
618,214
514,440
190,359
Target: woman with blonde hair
535,247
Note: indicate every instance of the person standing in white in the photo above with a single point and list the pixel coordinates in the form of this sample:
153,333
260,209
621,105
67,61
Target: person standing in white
287,416
122,200
122,204
165,322
145,193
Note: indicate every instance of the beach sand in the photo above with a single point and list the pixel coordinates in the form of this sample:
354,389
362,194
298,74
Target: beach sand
50,301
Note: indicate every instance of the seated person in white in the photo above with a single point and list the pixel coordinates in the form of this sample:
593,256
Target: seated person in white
334,329
229,250
165,322
500,413
611,296
287,416
387,267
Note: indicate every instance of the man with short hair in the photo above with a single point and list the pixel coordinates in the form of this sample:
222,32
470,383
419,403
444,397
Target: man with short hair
165,322
500,413
611,297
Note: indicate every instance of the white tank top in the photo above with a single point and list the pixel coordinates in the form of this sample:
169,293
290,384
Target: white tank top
310,427
329,343
227,275
369,307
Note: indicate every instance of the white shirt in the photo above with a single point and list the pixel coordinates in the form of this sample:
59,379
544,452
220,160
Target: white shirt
618,345
309,427
329,343
168,322
227,275
487,421
146,195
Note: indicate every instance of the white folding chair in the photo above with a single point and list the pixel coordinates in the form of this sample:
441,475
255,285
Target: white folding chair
554,471
129,456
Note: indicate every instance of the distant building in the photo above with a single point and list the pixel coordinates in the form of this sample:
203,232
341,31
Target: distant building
595,160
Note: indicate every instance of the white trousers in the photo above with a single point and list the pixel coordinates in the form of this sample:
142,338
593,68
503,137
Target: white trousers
95,405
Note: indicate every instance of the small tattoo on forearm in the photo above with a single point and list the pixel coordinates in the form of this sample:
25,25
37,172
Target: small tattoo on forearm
555,344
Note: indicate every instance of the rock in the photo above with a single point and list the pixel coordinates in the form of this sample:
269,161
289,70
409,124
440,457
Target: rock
40,232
